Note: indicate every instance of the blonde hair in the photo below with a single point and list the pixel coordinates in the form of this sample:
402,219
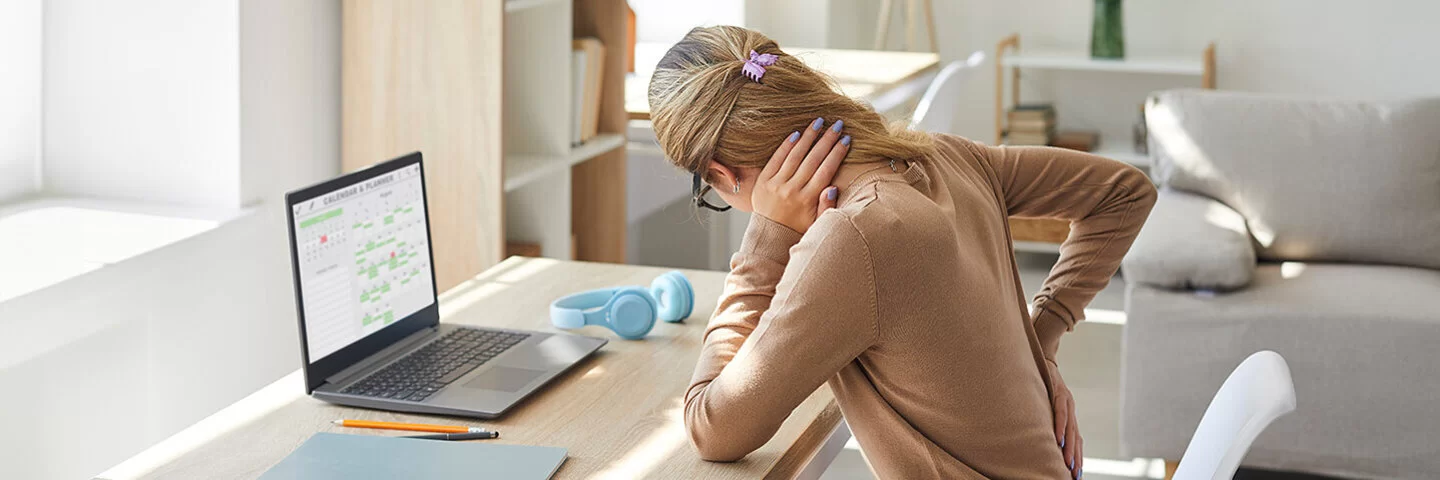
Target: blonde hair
703,109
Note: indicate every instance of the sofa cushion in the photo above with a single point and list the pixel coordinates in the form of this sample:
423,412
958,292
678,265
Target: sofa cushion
1317,180
1191,242
1360,341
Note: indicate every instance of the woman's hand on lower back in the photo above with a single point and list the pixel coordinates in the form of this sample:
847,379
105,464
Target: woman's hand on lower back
794,188
1067,432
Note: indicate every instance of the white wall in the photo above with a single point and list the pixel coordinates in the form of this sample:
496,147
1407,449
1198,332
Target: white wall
19,97
150,345
140,100
668,20
1330,48
289,96
791,23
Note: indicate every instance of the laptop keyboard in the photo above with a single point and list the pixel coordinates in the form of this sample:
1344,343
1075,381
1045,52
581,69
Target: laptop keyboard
423,372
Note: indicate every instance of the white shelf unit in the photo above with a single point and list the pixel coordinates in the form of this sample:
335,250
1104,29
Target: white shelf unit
521,169
1070,60
538,180
1009,55
1110,147
537,123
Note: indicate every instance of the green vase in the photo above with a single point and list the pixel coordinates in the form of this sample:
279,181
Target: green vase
1107,37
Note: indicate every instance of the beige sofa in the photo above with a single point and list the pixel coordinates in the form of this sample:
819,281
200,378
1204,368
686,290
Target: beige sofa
1308,227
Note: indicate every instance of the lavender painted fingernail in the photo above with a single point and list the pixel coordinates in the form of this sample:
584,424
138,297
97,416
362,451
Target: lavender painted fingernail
793,137
834,192
1079,474
845,140
817,123
838,125
1062,442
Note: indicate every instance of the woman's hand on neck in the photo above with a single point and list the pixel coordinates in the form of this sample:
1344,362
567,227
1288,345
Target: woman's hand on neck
795,186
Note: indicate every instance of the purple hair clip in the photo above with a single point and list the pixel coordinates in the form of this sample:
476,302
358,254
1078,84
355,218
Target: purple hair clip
755,66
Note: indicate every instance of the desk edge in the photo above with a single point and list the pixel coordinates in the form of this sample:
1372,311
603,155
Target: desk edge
807,445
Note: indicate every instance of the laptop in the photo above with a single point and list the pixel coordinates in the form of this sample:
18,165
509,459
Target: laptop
370,331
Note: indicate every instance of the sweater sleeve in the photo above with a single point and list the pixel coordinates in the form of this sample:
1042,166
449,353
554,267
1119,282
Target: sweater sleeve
789,319
1106,203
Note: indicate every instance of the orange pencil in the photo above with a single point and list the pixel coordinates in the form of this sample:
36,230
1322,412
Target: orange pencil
413,427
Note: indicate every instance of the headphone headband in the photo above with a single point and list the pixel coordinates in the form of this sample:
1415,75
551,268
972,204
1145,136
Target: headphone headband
575,310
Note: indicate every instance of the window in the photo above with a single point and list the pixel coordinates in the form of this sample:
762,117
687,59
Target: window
119,131
19,98
141,101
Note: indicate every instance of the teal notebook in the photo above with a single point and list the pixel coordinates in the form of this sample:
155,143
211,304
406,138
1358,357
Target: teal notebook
333,455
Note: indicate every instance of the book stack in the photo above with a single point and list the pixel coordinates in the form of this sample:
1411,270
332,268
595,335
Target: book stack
587,64
1031,124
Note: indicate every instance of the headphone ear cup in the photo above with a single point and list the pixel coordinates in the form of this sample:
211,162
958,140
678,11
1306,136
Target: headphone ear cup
675,296
632,314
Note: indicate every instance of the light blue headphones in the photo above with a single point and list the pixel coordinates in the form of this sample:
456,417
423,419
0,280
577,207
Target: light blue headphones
629,311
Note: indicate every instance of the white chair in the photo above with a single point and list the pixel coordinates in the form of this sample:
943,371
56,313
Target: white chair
940,105
1256,393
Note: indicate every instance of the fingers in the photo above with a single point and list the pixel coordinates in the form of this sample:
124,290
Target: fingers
1079,454
1072,440
827,200
825,175
779,156
798,151
817,154
1062,420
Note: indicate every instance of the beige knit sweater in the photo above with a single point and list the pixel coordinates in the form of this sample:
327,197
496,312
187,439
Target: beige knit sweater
907,300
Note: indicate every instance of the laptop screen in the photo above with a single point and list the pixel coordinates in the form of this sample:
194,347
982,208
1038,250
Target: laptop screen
362,254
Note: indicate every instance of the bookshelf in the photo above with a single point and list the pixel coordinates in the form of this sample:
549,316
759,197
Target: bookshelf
559,196
1078,60
484,89
522,169
1044,236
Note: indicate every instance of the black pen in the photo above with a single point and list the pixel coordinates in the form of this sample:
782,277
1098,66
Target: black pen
458,436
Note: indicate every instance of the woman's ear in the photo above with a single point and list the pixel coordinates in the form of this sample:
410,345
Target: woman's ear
722,177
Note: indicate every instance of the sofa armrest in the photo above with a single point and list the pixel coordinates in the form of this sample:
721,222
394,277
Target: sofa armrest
1191,242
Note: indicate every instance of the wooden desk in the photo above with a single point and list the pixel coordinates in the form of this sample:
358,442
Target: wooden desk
619,413
869,75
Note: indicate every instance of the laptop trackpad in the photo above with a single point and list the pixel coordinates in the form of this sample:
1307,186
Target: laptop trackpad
505,379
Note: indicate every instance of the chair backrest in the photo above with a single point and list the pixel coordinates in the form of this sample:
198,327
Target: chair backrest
1256,393
940,105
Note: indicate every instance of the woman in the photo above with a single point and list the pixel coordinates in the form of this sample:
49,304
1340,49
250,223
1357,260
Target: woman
905,296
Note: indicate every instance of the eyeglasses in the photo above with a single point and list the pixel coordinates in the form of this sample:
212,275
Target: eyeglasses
698,188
